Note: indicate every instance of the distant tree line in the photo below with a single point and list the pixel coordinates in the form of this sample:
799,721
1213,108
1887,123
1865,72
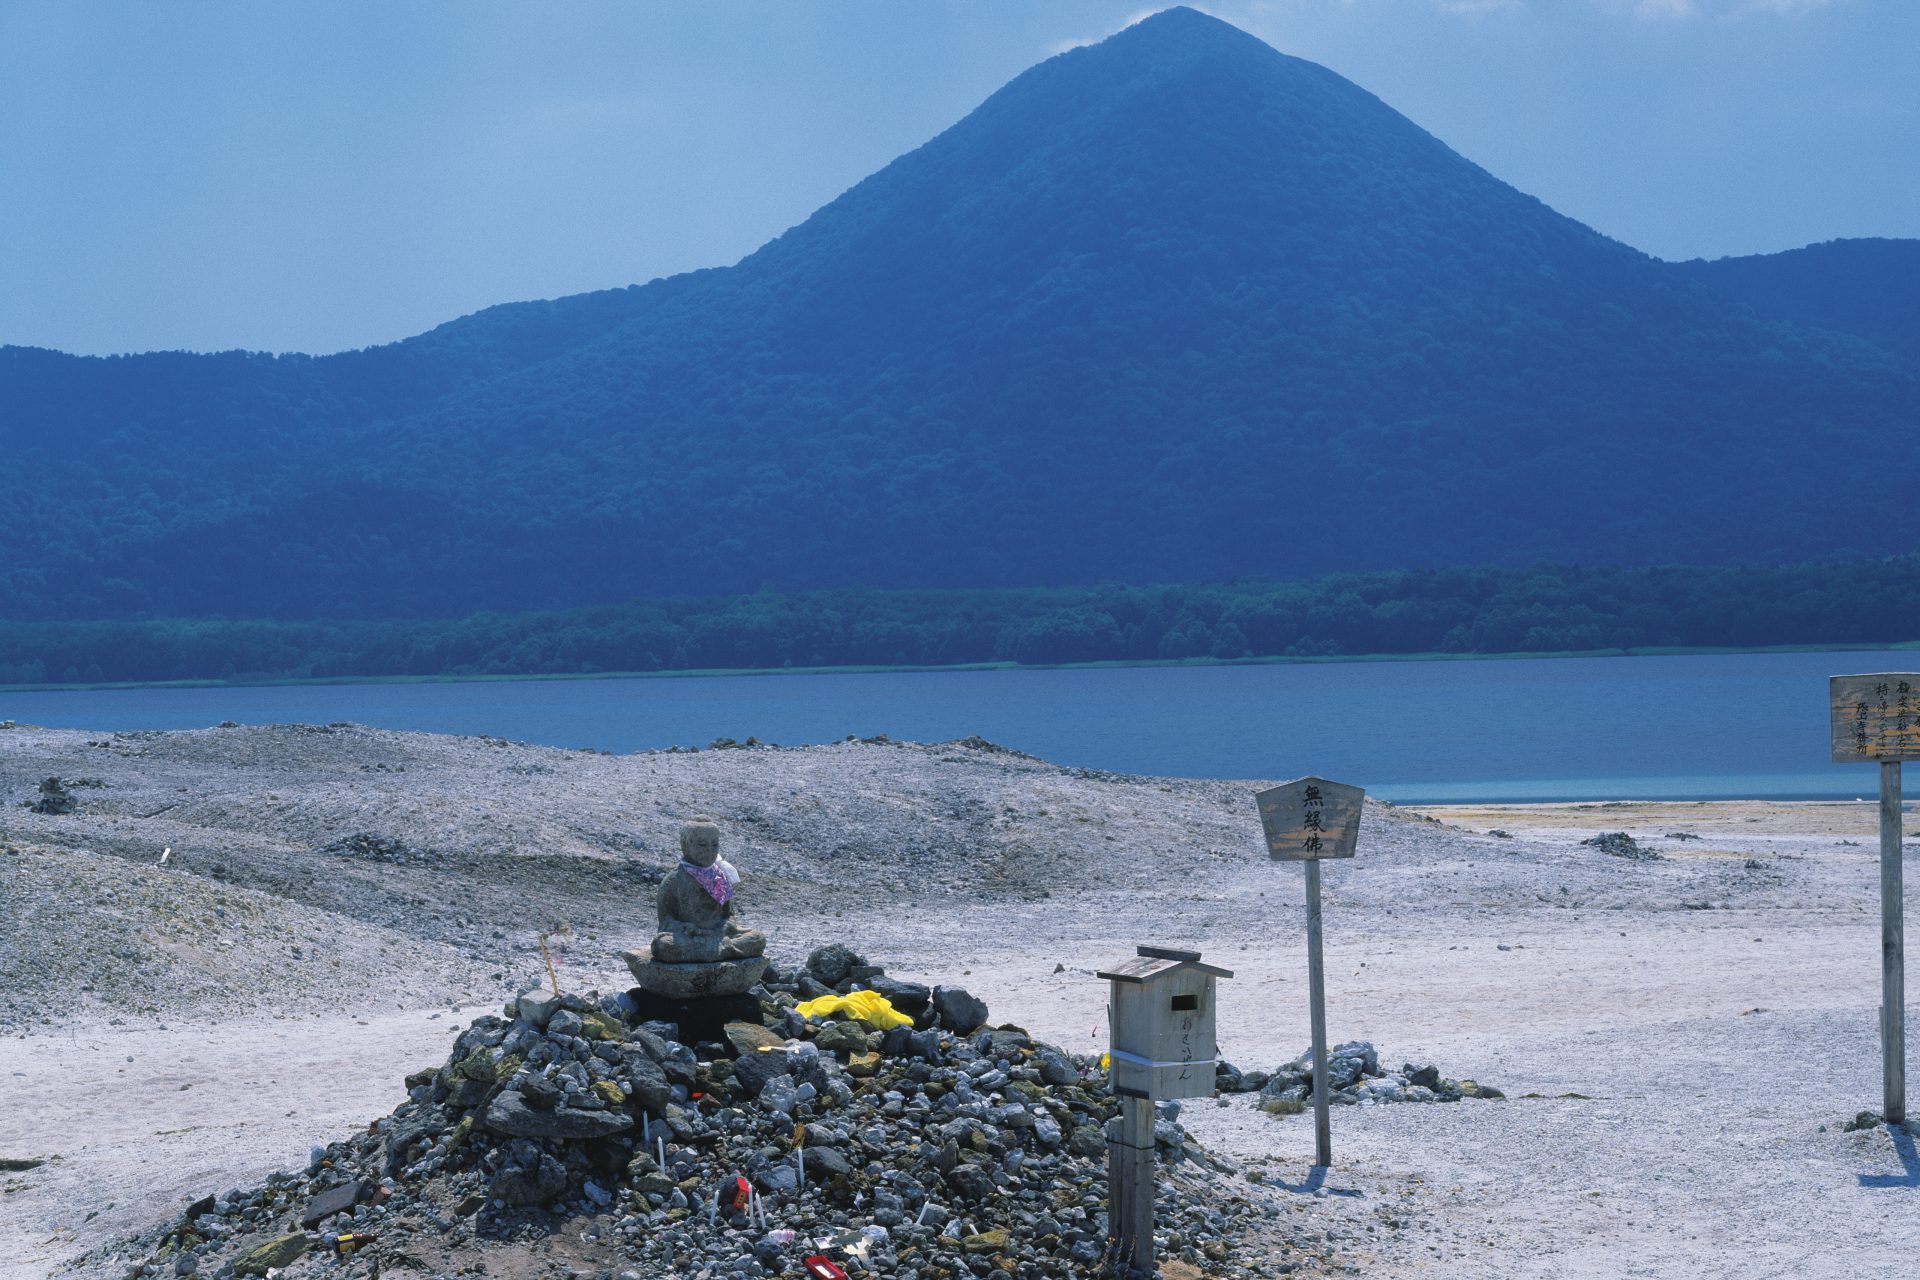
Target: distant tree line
1544,609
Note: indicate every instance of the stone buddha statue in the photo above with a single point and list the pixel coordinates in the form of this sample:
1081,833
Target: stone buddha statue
695,905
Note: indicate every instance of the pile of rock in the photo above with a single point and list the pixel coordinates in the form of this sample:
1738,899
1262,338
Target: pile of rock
938,1150
54,798
368,847
1622,845
1354,1078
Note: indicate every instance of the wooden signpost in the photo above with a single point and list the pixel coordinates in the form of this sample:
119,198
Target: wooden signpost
1307,820
1877,717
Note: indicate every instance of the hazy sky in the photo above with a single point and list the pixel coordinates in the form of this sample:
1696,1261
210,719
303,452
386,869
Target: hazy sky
320,174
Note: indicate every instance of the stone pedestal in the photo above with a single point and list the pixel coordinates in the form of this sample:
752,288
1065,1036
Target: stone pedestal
694,981
700,999
699,1021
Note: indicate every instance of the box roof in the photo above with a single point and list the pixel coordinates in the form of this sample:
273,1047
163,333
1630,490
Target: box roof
1154,963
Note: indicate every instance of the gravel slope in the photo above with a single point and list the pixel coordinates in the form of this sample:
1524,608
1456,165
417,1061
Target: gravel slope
1714,1007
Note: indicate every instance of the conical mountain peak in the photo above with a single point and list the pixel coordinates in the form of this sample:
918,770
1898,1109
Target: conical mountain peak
1178,150
1181,31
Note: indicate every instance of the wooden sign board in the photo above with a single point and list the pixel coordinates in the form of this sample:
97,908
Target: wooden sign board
1875,717
1310,818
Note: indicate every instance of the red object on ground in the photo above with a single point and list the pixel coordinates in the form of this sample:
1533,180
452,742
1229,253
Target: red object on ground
742,1194
821,1267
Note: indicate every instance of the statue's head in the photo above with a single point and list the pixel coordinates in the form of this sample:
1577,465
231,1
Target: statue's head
700,842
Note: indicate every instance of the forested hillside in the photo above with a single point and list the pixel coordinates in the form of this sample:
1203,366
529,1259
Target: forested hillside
1175,307
1867,288
1538,609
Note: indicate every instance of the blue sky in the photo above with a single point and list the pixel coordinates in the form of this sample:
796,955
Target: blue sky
316,176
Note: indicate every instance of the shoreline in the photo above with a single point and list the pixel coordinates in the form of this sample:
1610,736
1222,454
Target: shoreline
1557,799
913,669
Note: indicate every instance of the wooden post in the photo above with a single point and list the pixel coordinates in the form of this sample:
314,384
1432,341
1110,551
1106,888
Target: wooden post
1893,965
1317,1004
1307,820
1877,717
1130,1183
1119,1194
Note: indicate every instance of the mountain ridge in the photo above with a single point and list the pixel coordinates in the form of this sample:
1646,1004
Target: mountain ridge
1062,341
1844,286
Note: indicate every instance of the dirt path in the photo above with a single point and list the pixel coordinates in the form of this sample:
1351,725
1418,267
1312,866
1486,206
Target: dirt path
141,1121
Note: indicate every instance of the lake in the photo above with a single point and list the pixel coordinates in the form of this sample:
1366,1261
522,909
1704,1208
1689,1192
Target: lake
1694,727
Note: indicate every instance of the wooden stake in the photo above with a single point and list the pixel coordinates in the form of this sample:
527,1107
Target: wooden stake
1130,1180
1317,1004
1893,965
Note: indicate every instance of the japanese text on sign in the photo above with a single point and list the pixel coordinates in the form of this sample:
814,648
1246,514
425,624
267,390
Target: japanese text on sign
1311,818
1876,717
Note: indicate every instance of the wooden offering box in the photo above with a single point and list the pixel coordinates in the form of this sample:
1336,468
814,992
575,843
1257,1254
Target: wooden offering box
1162,1013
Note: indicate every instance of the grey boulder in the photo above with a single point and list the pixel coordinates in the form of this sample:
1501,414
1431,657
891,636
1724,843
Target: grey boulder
970,1182
909,998
528,1175
834,963
510,1114
537,1006
1055,1067
650,1086
825,1162
753,1070
327,1203
960,1012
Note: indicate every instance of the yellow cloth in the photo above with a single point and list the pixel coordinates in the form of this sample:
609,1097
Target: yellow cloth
868,1008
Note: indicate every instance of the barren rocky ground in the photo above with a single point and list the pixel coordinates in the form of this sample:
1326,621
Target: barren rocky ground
1681,1039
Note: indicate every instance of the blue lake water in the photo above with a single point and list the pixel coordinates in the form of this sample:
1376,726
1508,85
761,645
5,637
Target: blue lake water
1696,727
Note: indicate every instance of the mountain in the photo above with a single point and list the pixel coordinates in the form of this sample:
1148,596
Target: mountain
1171,307
1867,288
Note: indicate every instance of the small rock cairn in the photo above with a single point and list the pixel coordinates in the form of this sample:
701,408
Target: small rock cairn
1354,1078
54,798
1622,845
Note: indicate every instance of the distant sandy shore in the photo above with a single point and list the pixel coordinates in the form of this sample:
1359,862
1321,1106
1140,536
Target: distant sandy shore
1680,1039
1729,821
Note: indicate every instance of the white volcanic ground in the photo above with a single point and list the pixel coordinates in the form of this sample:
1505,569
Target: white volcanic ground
1681,1040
